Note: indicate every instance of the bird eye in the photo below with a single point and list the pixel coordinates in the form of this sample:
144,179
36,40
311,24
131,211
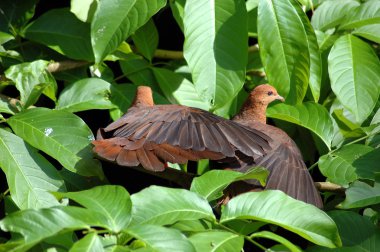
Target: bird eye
270,93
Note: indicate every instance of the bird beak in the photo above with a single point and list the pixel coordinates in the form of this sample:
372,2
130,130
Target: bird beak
279,97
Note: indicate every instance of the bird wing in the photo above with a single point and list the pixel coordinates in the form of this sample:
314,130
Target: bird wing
289,173
153,135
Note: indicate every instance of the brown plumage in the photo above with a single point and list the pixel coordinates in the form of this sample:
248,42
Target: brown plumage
152,135
288,172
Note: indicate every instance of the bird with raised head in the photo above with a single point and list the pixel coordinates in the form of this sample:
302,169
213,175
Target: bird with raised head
284,161
152,135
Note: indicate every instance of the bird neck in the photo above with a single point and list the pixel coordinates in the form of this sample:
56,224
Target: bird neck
144,97
252,111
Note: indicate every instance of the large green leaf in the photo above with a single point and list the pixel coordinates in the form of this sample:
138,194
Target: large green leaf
367,13
178,89
360,194
60,30
310,115
146,39
37,225
211,184
127,16
371,32
162,206
113,202
85,94
339,166
161,239
315,59
216,48
30,176
217,241
293,215
91,242
60,134
331,13
354,70
357,232
15,14
31,80
284,47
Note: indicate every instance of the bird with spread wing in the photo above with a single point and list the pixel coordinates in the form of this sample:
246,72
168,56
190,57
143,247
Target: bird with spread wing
152,135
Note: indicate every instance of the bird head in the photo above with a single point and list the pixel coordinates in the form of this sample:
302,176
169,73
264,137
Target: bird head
265,94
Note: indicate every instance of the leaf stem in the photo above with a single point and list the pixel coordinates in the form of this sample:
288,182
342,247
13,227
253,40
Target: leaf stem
352,142
4,194
245,237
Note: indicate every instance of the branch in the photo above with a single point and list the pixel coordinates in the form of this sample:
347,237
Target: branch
167,54
329,187
65,65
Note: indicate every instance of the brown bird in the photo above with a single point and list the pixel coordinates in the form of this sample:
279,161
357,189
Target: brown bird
152,135
288,171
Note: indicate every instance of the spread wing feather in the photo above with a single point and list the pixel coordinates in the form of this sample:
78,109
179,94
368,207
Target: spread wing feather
289,174
153,135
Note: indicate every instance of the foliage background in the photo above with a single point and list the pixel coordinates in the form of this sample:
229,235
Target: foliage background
68,68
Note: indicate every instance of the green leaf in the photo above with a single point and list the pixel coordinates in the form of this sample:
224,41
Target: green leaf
15,14
331,13
325,39
163,206
30,176
192,225
339,166
293,216
113,202
367,166
161,238
91,242
177,8
83,9
85,94
60,134
60,30
146,39
211,184
371,32
367,13
357,232
354,70
277,238
127,16
215,50
138,71
310,115
217,241
285,47
37,225
315,60
31,80
360,194
178,89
